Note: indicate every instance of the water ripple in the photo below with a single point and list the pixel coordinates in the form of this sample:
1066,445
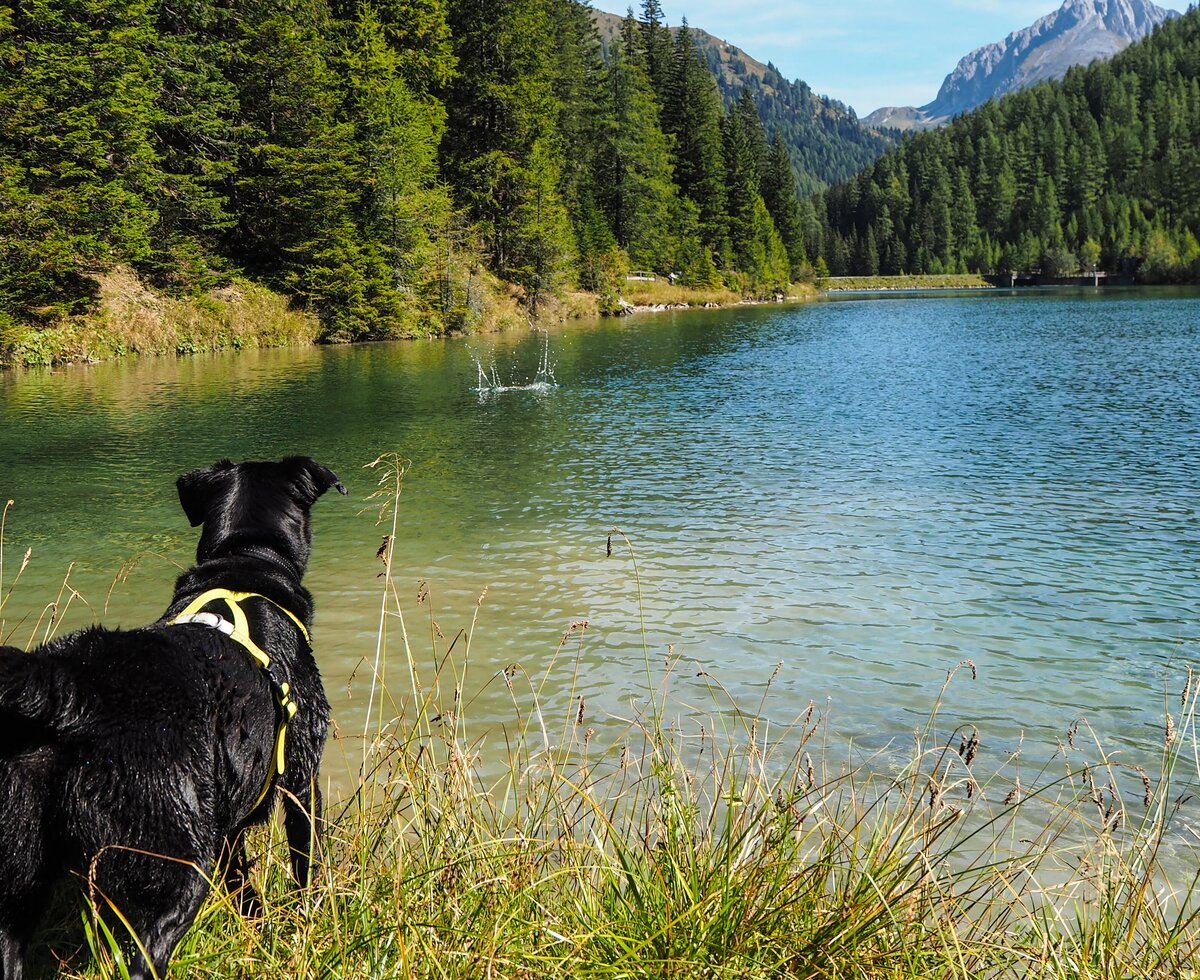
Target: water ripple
868,491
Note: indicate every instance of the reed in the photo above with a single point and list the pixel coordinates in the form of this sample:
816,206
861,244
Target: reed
703,842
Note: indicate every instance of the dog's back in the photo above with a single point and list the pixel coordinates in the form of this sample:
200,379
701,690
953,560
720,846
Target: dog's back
28,763
120,751
137,759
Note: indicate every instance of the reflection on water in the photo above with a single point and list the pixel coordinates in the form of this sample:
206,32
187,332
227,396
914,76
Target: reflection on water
868,491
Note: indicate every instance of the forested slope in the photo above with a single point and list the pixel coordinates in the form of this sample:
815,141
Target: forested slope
1101,169
385,164
825,140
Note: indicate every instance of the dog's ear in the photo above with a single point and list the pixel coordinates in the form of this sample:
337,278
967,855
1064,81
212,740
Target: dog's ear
313,479
197,489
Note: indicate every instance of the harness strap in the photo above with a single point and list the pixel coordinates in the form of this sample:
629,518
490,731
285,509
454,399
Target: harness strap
240,632
241,628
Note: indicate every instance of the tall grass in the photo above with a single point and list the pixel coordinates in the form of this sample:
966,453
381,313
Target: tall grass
666,294
704,843
131,319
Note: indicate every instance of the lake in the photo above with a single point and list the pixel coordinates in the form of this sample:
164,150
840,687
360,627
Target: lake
868,490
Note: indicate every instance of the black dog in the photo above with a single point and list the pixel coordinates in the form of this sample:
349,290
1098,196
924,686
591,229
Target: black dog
137,759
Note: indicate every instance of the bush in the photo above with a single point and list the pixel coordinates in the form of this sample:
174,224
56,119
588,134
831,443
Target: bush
1058,262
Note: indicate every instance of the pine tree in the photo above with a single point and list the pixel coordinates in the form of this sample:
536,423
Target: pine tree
76,145
501,151
418,32
585,117
779,195
656,48
402,210
630,43
750,125
741,189
543,241
195,136
692,116
39,267
758,251
870,254
634,185
296,189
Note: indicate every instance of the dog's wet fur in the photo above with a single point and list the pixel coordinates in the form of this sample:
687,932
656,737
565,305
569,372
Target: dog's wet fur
133,759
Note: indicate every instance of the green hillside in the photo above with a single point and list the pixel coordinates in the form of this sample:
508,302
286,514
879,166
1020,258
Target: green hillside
1099,170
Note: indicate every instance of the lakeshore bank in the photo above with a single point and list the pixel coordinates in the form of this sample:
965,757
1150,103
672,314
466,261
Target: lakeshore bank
839,284
131,319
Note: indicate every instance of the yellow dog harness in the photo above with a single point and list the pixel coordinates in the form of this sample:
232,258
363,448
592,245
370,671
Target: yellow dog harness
239,631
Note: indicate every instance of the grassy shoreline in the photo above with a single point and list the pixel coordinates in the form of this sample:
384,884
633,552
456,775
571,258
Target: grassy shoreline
132,320
654,297
899,283
699,840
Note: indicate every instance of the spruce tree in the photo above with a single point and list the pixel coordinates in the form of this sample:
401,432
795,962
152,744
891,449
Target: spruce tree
634,185
656,48
779,195
585,116
78,100
417,31
750,124
195,135
741,188
692,116
501,151
629,40
758,252
402,210
296,192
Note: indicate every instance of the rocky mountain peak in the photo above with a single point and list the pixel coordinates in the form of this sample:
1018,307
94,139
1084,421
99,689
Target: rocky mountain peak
1079,32
1130,19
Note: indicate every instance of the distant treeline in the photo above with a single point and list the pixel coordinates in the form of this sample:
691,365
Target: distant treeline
380,162
1100,170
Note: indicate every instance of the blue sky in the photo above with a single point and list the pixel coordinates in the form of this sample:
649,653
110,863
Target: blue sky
867,53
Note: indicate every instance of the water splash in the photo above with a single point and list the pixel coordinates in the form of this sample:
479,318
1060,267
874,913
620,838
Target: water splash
489,382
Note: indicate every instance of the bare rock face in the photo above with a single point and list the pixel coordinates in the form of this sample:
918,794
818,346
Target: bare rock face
1079,32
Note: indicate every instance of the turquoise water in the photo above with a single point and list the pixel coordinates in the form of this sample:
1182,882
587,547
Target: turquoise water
869,490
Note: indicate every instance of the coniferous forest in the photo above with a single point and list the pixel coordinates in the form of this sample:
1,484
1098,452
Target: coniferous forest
381,163
388,164
1098,171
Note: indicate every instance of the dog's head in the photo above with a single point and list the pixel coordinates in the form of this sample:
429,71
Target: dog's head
255,504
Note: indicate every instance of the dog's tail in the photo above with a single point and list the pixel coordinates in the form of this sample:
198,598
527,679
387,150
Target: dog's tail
35,695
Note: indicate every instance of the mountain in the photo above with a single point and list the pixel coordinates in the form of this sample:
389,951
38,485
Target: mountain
825,139
1079,32
1098,170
